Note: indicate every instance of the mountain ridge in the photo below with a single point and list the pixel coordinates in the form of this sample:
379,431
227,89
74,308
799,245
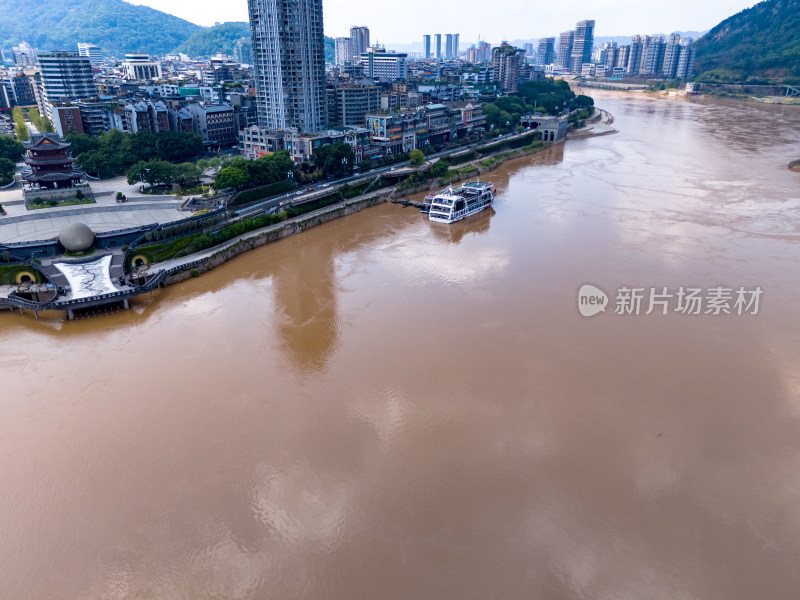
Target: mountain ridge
117,27
761,43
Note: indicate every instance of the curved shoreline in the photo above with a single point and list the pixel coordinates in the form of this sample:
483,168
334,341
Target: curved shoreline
200,262
251,240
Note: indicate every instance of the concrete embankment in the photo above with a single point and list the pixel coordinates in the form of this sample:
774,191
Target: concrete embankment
479,169
216,256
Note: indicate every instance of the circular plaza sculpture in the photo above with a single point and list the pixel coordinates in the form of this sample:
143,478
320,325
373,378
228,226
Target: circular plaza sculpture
76,237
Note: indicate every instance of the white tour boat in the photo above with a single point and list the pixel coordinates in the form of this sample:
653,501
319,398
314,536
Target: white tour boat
453,204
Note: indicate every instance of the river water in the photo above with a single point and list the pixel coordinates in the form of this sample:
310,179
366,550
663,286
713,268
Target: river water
386,408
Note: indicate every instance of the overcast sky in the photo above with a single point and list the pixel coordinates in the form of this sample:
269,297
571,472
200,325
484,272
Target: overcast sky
407,20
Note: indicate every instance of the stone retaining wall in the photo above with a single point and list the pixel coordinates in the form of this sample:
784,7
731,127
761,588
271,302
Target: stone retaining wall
282,230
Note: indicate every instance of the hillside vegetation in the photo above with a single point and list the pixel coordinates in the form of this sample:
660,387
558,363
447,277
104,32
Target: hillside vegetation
222,38
116,26
761,43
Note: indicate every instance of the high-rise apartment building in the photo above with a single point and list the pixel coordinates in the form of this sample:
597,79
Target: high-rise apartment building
451,46
547,51
426,43
344,51
530,51
243,51
92,52
565,41
24,55
582,45
654,59
685,68
634,59
505,67
484,51
672,54
438,39
289,63
65,76
359,40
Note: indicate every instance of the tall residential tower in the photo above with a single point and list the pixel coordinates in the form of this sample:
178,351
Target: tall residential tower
359,40
565,42
582,45
289,63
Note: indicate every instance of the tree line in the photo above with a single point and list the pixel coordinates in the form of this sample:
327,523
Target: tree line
267,169
10,153
161,172
113,153
549,96
332,162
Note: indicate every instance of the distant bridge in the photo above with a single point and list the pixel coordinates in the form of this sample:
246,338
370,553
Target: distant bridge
792,91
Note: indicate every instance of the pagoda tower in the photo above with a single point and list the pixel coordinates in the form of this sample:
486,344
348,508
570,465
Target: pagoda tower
51,165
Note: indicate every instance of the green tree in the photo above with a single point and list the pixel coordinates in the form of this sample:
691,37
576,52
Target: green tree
100,163
6,171
417,158
440,168
10,148
20,126
335,160
21,129
43,124
155,172
187,174
178,146
231,177
82,142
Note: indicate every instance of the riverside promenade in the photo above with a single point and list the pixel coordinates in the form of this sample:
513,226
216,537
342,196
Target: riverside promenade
21,224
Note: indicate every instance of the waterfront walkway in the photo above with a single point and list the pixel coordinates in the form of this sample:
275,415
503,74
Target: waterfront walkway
105,214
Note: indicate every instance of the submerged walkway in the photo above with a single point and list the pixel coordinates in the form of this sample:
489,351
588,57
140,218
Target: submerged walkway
84,284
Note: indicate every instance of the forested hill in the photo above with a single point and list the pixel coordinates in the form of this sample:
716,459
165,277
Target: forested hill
116,26
222,38
761,43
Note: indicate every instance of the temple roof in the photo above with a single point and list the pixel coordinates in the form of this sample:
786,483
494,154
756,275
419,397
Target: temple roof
49,177
42,162
46,141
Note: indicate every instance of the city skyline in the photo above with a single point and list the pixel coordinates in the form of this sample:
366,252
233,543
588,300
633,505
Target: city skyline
615,18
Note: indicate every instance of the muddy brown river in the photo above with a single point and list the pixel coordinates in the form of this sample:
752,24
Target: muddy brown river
385,408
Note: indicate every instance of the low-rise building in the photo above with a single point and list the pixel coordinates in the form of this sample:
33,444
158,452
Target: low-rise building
146,116
258,141
67,119
431,125
303,146
350,104
216,124
140,67
553,129
380,64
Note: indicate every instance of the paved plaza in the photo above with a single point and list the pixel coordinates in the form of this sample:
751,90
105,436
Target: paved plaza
21,224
